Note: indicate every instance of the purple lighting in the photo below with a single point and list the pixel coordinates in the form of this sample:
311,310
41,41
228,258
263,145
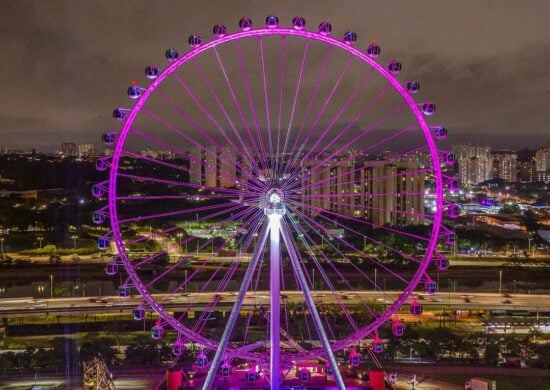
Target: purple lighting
246,163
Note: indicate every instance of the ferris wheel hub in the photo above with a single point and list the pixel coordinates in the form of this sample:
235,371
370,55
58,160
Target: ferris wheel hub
274,203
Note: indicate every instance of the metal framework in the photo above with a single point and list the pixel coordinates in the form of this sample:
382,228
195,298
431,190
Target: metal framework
279,185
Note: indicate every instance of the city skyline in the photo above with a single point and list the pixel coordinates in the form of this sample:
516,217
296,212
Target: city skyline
484,54
274,194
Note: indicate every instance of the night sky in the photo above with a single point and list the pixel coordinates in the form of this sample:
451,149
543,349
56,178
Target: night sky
66,64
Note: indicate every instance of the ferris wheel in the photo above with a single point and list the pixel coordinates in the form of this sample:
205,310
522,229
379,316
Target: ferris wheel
275,195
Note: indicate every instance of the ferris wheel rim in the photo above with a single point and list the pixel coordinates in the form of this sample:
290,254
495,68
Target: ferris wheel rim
259,33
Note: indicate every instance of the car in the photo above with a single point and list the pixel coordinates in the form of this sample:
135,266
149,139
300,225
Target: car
507,302
506,295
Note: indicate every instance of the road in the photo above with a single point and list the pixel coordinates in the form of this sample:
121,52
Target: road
174,252
453,301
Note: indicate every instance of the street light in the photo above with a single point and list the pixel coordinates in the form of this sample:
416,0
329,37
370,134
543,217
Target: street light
179,235
2,245
186,281
529,249
74,238
40,239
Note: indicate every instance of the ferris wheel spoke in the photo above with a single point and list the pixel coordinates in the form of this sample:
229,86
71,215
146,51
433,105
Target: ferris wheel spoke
250,158
294,185
338,199
186,197
351,195
238,304
191,140
201,292
357,207
297,191
296,93
312,99
304,314
222,286
339,239
176,212
261,151
168,147
198,128
306,239
310,283
252,219
372,259
207,113
143,157
239,109
321,210
315,227
368,108
322,110
216,299
266,100
321,138
175,183
187,240
186,155
292,251
350,144
279,116
256,283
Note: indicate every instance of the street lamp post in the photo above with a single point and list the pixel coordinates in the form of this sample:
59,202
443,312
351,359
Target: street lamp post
449,281
2,246
51,286
40,239
179,235
500,282
186,281
74,237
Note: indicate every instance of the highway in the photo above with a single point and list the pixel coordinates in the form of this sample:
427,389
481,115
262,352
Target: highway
16,307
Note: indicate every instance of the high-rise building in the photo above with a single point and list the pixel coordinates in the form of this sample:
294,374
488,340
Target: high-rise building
526,171
69,149
505,166
382,193
213,167
542,164
392,194
86,150
475,163
542,159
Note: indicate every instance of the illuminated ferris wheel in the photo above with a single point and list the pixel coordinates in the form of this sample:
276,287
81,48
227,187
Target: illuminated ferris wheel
283,185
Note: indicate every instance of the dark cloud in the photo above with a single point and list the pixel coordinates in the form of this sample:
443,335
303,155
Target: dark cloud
66,64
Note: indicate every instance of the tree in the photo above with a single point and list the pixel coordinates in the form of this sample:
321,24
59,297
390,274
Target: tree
7,361
98,346
543,355
491,354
